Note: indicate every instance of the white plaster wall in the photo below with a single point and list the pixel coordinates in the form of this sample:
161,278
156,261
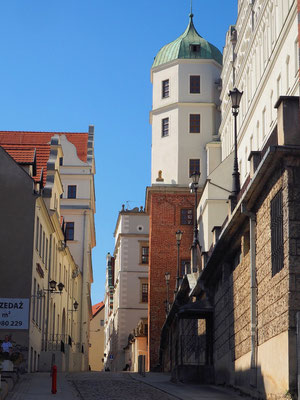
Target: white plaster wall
160,75
83,184
165,149
209,74
262,74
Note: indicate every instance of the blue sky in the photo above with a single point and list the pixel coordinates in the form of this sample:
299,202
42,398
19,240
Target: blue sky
66,64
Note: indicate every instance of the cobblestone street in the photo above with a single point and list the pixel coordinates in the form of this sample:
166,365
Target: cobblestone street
114,386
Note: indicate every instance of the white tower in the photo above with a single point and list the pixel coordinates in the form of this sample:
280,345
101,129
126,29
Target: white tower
185,114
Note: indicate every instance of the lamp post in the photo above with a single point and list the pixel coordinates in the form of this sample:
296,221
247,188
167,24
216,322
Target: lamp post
167,277
194,188
235,96
178,239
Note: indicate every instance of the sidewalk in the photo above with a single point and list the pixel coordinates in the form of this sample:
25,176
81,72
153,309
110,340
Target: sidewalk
37,386
186,391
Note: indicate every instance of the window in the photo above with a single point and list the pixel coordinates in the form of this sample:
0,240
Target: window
185,267
165,127
37,233
70,231
34,299
40,240
194,123
144,292
195,48
101,322
195,84
72,191
46,254
43,248
145,254
165,88
61,161
186,216
277,233
194,166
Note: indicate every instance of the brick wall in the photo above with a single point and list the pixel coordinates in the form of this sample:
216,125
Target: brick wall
164,212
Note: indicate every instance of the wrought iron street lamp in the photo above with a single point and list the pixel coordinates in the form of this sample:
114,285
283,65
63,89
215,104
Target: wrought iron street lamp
167,277
235,96
52,285
194,187
75,305
178,239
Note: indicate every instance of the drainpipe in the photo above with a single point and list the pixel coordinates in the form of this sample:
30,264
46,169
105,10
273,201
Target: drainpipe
253,294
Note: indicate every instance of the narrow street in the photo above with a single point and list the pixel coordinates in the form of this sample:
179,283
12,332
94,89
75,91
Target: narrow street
114,386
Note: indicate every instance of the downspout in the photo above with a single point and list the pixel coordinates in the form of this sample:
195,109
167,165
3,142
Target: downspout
253,295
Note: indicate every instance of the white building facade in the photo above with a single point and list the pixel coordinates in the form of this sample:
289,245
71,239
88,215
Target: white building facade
127,283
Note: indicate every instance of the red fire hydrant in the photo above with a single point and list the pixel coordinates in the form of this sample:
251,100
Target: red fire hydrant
54,379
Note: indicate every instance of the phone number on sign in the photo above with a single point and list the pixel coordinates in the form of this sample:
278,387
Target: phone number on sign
11,323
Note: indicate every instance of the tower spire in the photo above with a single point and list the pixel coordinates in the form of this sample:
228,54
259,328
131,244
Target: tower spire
191,14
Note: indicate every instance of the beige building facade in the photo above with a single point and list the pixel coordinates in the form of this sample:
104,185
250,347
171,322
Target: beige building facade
96,348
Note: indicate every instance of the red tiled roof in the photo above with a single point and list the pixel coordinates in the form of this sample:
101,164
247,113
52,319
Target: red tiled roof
79,139
97,307
22,152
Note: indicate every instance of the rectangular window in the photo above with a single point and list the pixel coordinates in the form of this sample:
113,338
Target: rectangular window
40,240
145,255
194,123
70,231
37,233
186,216
46,254
277,233
194,166
165,127
34,299
185,267
144,292
195,84
165,88
101,322
72,191
43,248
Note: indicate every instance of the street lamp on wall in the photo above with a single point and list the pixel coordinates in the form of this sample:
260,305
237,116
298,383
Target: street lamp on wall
75,305
167,277
52,285
178,239
235,96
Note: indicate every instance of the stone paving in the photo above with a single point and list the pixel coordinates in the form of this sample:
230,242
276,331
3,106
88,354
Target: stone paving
113,386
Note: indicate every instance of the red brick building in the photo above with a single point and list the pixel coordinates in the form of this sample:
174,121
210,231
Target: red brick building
168,208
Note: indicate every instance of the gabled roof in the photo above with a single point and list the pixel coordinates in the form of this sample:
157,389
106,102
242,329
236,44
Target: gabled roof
79,139
97,308
24,154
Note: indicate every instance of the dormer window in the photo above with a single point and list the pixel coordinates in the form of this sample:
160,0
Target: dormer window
195,48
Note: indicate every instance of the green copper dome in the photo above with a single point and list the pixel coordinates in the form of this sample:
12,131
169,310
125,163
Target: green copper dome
190,45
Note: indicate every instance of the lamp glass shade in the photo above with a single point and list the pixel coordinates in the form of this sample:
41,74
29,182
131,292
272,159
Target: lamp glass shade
235,96
195,177
52,285
60,286
178,235
167,276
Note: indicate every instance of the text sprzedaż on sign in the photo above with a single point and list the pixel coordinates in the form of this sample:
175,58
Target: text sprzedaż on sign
14,313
